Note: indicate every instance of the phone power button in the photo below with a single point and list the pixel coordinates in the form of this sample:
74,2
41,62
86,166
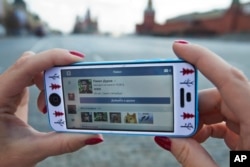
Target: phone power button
55,99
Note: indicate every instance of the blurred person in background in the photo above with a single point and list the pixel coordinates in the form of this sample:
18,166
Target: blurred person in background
2,16
1,11
16,18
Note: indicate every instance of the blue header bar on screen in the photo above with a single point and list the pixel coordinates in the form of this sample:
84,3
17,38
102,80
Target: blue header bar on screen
118,71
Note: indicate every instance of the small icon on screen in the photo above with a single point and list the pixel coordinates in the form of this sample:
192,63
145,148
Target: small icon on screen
68,73
166,70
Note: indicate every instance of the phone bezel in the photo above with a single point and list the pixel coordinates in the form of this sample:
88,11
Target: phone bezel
183,126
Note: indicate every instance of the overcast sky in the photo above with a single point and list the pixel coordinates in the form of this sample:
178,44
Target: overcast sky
116,16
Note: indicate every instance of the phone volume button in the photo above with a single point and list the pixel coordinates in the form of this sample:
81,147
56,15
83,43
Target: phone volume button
182,97
188,96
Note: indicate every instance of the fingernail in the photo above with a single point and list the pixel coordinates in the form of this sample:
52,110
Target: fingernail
163,142
181,41
44,110
75,53
93,141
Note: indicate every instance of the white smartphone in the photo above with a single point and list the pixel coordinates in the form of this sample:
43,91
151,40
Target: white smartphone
143,97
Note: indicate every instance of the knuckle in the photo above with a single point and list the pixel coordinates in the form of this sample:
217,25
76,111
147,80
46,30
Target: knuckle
58,54
55,50
21,61
237,74
28,53
70,147
234,78
182,155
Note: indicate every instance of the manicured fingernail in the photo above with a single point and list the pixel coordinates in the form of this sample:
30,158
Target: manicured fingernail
93,141
163,142
181,41
44,110
75,53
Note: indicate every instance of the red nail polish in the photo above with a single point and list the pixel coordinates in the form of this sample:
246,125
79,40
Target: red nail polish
164,142
44,110
93,141
75,53
181,41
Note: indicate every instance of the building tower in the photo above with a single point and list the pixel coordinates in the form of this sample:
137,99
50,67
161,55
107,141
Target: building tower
88,16
149,14
87,25
90,26
148,21
233,15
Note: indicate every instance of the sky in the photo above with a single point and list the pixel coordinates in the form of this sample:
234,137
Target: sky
116,16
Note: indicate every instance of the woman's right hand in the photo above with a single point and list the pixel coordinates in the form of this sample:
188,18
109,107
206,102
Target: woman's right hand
224,111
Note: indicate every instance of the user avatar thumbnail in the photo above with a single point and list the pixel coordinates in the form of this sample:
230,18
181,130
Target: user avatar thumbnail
71,96
101,116
71,109
145,118
130,118
115,117
85,86
86,116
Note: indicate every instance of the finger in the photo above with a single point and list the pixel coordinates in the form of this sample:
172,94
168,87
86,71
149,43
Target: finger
215,130
187,151
23,71
233,135
38,81
212,66
230,82
220,131
22,110
59,143
235,127
41,102
209,106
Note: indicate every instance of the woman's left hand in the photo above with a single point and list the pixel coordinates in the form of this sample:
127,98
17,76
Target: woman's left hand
20,144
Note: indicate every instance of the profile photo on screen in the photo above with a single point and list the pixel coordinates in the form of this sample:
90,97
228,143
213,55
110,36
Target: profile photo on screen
85,86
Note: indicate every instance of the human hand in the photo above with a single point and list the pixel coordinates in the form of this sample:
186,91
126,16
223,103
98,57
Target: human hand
20,144
223,110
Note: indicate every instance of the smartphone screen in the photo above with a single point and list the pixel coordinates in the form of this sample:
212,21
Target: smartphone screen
150,97
130,97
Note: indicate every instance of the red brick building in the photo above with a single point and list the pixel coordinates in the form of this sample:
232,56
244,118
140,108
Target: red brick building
235,19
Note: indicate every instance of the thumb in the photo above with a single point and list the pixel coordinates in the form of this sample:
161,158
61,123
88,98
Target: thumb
187,151
53,143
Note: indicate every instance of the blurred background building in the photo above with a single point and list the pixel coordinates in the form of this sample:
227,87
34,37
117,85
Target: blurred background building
86,25
235,19
2,16
1,10
16,20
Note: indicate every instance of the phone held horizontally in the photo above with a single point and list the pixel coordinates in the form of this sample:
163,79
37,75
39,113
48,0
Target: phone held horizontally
146,97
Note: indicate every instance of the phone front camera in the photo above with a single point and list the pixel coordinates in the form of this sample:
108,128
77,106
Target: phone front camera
55,99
